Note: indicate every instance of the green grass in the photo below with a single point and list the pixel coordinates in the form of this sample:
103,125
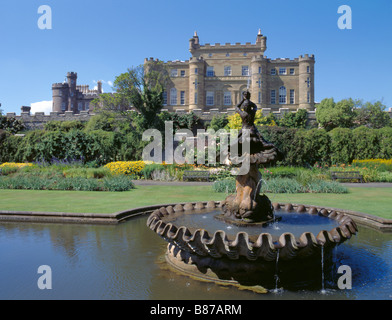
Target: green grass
376,201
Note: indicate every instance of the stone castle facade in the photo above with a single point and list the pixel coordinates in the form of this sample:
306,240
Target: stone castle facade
216,75
70,97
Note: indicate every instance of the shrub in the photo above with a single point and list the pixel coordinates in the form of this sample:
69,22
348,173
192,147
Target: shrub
282,185
126,167
150,168
224,186
321,186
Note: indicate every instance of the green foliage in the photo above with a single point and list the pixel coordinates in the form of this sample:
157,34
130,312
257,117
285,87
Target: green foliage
121,183
342,145
282,185
64,125
385,142
294,119
366,143
322,186
11,125
372,115
148,170
225,186
219,122
180,121
331,115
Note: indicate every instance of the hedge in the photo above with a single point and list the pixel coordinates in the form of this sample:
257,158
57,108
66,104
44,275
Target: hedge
299,147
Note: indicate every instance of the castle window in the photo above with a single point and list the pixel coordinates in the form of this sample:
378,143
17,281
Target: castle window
182,73
173,73
292,96
164,96
245,54
173,96
308,97
259,83
308,69
196,70
259,70
80,106
259,97
210,71
282,71
227,54
182,98
282,95
63,106
273,72
195,97
87,106
292,71
245,70
227,98
273,96
210,55
227,71
210,98
308,82
60,93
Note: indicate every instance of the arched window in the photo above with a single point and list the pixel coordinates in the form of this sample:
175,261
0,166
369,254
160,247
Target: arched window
173,96
282,95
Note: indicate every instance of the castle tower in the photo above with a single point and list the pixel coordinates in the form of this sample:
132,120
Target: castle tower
196,83
60,97
258,88
262,42
194,43
72,96
306,82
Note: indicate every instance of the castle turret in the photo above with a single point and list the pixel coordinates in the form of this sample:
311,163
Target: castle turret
258,74
60,93
262,42
99,86
72,97
306,82
194,43
196,83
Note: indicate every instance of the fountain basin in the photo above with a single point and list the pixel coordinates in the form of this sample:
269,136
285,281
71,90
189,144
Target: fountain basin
222,244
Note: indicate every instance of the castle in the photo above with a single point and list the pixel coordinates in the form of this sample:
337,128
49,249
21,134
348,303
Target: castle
68,96
216,75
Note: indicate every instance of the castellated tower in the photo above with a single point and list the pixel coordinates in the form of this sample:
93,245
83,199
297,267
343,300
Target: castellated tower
306,82
70,97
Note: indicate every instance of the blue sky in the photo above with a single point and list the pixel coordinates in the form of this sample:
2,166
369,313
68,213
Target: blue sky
101,39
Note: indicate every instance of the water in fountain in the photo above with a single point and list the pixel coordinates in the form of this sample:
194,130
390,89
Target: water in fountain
276,273
322,270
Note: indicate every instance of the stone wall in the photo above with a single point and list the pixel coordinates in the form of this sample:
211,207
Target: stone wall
38,120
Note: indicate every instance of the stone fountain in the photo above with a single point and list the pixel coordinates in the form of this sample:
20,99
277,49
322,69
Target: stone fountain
245,239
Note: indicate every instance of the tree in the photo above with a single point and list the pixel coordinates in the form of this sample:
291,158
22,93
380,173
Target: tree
218,122
142,88
331,115
294,119
11,125
372,115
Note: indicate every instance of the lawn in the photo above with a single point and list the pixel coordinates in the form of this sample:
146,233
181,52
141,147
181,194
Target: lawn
376,201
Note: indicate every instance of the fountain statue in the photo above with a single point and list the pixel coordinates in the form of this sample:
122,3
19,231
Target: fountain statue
245,239
247,203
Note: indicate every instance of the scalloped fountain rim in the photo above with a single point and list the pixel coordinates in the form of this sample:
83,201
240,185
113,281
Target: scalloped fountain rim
218,245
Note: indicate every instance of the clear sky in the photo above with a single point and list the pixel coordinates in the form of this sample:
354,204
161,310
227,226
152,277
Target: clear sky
101,39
